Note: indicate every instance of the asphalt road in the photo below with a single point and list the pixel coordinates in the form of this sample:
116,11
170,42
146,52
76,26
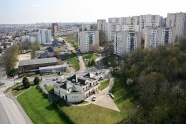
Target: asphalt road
9,112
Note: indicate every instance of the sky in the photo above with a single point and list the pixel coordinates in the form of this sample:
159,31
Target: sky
37,11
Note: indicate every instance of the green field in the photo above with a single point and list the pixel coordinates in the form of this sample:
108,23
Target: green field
89,57
39,109
104,84
73,61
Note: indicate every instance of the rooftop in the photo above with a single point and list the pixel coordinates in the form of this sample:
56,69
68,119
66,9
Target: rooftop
37,61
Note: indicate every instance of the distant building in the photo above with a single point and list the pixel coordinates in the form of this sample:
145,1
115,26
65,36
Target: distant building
177,20
102,25
54,28
87,39
134,20
126,42
149,20
127,28
46,36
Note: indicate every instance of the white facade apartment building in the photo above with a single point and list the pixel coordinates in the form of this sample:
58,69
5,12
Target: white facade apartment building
127,28
46,36
158,36
86,39
134,20
126,42
177,20
102,25
149,20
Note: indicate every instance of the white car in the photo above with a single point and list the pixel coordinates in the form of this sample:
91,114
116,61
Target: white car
93,98
111,95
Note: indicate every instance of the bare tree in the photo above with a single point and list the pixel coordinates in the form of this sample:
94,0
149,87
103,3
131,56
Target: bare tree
94,48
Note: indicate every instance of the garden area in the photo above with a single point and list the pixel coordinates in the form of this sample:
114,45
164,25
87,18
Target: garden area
89,59
104,84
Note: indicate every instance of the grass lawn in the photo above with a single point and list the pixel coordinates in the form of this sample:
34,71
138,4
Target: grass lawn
93,114
104,84
90,114
49,88
73,61
39,109
90,57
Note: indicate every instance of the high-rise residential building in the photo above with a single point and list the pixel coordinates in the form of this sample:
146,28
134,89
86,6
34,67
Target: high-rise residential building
86,27
111,28
149,20
127,28
102,25
134,20
54,28
158,36
46,36
114,20
87,39
126,42
177,20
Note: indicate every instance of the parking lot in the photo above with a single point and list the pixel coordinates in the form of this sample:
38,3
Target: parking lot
103,98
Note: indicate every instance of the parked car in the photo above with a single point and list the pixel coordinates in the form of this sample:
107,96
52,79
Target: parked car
68,62
93,98
111,95
45,85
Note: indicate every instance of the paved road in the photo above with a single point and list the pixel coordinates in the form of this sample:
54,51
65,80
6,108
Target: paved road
9,112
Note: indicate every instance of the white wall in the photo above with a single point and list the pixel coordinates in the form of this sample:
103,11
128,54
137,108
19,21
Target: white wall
74,97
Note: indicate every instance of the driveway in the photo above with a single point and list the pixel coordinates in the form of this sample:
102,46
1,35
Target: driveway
103,99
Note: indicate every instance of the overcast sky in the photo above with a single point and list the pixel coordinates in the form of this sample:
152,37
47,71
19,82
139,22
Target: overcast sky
36,11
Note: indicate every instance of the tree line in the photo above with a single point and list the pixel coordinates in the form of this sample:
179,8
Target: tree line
10,58
158,78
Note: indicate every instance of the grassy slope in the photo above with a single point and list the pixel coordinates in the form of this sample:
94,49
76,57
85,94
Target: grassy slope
90,57
104,84
90,114
39,109
73,61
124,99
93,114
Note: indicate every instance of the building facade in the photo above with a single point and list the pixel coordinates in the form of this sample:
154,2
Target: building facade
134,20
149,20
54,28
46,36
177,20
76,88
87,39
127,28
158,36
126,42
